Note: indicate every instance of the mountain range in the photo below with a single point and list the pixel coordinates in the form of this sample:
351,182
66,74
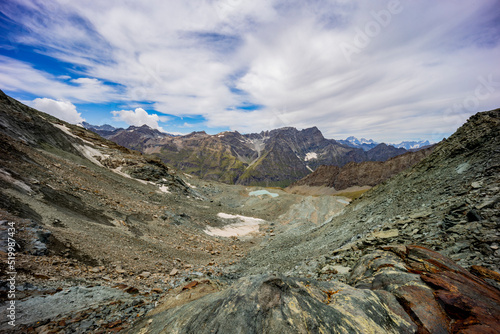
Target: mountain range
368,144
270,158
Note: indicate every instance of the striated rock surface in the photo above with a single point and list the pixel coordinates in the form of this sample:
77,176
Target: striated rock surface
395,289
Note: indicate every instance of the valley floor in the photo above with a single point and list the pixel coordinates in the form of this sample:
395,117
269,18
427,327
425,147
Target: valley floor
162,242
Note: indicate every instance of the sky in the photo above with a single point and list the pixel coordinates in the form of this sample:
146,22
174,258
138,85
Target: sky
386,70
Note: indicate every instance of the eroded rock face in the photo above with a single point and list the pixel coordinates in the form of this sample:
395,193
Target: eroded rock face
439,295
277,304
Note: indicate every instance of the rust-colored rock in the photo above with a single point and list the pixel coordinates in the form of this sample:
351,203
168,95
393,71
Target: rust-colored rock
485,273
190,285
439,295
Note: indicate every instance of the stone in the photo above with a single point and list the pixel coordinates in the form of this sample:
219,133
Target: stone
485,273
329,269
476,185
174,272
386,234
132,290
145,274
473,216
191,285
342,270
120,271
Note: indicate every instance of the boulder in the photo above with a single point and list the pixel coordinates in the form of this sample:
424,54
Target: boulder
277,304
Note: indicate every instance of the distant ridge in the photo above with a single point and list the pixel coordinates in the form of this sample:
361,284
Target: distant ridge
368,144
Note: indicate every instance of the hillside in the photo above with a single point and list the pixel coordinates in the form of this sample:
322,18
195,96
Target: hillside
270,158
353,174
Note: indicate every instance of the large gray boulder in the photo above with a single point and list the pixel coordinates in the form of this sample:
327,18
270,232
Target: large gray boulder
277,304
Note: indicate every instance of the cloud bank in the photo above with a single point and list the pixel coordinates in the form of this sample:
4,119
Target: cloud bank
387,70
64,110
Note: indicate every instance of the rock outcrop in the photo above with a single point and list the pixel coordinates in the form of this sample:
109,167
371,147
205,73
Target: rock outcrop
439,295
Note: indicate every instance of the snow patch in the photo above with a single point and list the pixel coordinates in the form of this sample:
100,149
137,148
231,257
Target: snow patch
246,225
343,201
118,171
311,156
307,166
190,185
164,189
67,131
90,153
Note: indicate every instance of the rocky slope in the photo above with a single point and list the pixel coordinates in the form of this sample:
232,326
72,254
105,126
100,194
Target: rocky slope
367,173
270,158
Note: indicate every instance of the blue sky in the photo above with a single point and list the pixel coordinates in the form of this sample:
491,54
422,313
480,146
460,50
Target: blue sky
388,70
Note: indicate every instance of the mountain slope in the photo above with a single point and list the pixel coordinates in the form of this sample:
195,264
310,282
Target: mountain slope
412,145
367,173
90,193
365,144
368,144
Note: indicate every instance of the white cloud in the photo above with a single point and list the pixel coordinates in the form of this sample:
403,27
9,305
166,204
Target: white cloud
64,110
139,117
19,76
208,57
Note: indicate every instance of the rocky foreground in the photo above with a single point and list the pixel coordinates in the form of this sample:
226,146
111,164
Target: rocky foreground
396,289
110,240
